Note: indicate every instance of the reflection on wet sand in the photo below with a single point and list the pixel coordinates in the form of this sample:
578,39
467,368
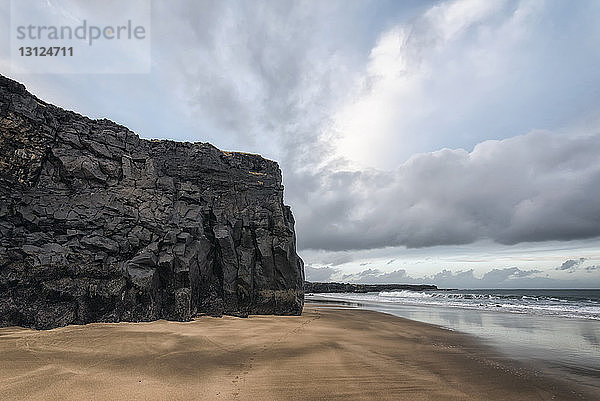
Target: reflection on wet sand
563,346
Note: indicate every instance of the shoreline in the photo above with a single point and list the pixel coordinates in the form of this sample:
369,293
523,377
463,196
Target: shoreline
555,346
328,353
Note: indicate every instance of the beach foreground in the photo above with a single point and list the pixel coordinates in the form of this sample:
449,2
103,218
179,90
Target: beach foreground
325,354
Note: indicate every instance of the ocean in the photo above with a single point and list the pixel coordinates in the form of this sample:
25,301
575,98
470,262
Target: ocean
556,331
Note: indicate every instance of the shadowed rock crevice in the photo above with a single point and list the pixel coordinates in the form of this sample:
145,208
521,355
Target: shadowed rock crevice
98,225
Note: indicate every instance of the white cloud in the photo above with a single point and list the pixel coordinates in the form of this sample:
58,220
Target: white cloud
425,78
511,277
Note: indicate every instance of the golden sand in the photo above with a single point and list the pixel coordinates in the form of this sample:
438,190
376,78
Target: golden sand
325,354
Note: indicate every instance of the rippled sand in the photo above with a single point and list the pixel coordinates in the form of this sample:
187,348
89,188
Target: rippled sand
325,354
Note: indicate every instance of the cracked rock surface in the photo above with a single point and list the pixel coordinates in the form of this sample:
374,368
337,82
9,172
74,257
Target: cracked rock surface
98,225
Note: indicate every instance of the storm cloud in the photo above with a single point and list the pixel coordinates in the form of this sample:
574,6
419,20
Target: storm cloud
536,187
289,84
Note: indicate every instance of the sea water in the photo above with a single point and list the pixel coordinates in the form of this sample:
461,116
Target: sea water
553,330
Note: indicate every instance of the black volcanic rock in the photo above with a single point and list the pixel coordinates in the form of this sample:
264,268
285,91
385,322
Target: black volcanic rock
349,287
98,225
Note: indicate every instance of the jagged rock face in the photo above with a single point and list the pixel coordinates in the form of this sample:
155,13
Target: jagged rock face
98,225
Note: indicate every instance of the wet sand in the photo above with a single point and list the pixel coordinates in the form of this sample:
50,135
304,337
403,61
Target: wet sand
325,354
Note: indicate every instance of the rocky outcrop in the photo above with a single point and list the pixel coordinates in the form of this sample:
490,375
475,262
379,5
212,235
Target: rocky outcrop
350,287
98,225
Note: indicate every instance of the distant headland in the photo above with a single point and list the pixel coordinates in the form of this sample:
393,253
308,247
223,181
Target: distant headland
350,287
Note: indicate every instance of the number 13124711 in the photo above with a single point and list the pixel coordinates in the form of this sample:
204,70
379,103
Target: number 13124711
46,51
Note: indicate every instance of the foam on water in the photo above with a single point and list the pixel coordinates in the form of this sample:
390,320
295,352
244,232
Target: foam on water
581,304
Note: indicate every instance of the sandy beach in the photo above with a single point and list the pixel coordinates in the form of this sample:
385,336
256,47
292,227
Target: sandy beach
325,354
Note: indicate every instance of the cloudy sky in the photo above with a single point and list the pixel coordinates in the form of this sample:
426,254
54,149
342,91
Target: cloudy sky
447,142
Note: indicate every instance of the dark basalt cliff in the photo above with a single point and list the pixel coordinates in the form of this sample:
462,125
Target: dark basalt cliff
349,287
98,225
